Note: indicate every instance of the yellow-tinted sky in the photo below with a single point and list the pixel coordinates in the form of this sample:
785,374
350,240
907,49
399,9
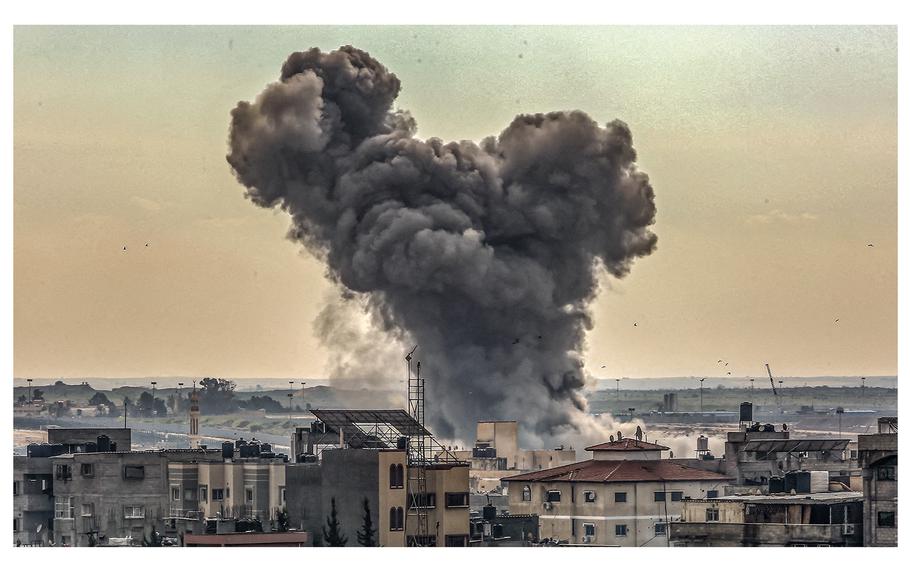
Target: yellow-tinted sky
772,151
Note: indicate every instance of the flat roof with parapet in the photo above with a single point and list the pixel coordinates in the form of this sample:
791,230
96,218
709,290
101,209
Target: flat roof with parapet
826,498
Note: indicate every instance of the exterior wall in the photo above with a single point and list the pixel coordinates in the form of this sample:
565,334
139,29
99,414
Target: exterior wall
33,501
879,495
502,435
389,497
619,455
106,495
640,512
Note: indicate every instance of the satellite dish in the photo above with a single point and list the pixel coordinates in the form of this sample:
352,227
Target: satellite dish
611,437
38,529
638,433
619,435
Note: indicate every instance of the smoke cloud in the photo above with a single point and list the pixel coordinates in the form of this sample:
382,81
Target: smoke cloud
486,255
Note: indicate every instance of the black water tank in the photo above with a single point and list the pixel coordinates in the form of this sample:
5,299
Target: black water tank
91,447
227,450
776,485
745,412
265,447
489,512
497,530
104,443
239,443
113,446
803,482
402,443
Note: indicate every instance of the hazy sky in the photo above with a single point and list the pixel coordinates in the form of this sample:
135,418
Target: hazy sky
772,152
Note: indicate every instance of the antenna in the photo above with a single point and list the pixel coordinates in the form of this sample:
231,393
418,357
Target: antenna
417,457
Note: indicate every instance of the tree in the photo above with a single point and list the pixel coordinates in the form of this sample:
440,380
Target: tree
366,536
216,396
160,407
146,404
127,403
331,532
22,399
172,403
265,403
99,399
37,394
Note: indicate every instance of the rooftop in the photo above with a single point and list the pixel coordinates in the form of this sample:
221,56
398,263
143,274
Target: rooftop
831,497
626,445
599,471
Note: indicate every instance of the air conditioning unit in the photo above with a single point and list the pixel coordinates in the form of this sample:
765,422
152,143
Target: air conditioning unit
547,505
849,529
587,539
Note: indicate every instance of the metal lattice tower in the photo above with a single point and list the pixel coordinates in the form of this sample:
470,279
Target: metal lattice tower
417,458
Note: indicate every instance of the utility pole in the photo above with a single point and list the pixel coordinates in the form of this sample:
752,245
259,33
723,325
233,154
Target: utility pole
303,394
291,383
290,406
154,410
30,401
840,415
617,389
752,385
862,392
701,394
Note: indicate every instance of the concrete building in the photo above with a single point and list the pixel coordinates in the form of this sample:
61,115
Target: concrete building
814,519
354,455
757,452
33,478
878,458
496,454
292,539
625,495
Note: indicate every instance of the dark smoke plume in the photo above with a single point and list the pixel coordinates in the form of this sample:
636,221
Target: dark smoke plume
486,255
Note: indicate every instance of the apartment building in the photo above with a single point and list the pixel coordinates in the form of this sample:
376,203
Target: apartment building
625,495
878,458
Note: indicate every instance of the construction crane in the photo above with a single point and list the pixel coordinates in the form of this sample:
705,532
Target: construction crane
780,409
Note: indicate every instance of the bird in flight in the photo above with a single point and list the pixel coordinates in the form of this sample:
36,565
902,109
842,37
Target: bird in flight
870,245
635,324
836,320
124,248
146,244
516,342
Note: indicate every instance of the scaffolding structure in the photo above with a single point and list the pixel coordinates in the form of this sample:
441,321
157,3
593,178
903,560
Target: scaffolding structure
417,468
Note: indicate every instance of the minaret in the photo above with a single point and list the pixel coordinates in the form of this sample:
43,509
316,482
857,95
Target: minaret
194,417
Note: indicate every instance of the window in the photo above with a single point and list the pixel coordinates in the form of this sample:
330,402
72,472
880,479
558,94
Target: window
421,500
15,524
396,476
87,469
660,496
712,494
282,495
227,492
676,496
134,472
886,518
526,493
63,508
15,488
620,530
396,519
619,497
886,473
589,529
554,496
712,515
249,494
204,493
189,494
456,499
134,512
175,493
590,496
63,472
217,494
455,540
88,509
660,529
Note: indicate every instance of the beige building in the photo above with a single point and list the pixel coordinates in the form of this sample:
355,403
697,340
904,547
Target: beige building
624,496
496,454
353,456
878,458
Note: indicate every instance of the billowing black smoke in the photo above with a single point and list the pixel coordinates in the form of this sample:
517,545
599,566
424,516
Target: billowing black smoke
486,255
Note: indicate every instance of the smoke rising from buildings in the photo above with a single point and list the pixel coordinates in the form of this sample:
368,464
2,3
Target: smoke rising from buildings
486,255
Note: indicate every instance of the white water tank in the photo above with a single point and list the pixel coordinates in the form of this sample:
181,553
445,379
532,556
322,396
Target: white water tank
818,481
